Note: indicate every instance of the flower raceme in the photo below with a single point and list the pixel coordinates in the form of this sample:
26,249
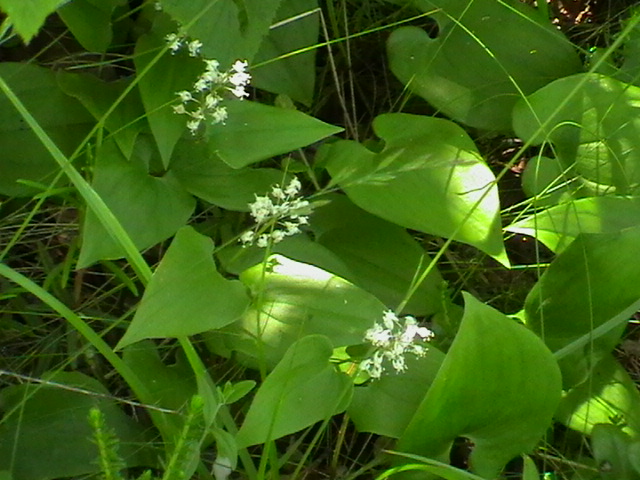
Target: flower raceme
392,340
203,102
277,215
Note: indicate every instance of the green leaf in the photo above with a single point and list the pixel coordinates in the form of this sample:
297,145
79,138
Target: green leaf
469,71
303,389
172,386
382,258
529,471
558,226
63,118
90,22
579,303
293,75
546,180
513,380
611,448
125,122
292,300
229,30
377,408
150,208
158,87
429,177
255,132
608,396
592,121
187,295
27,16
209,178
45,432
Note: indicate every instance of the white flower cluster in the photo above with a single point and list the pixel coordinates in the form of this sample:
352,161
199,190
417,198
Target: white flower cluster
176,41
281,208
393,339
204,101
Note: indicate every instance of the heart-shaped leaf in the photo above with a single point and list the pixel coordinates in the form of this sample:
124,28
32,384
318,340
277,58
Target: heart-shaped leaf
187,294
150,209
486,55
429,177
303,389
515,385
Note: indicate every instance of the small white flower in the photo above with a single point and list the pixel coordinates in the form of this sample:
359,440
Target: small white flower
179,109
174,42
194,48
294,187
239,91
247,237
261,209
202,85
277,192
219,115
211,101
193,126
277,236
392,340
185,96
389,319
263,241
378,336
240,66
291,228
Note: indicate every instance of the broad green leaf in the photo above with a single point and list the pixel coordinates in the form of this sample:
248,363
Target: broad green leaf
292,300
45,432
229,30
592,121
429,177
558,226
303,389
170,386
486,55
611,447
255,132
545,179
27,16
382,257
158,87
609,396
629,71
90,22
209,178
529,470
301,248
187,295
150,208
513,380
379,409
125,122
293,75
63,118
577,303
423,464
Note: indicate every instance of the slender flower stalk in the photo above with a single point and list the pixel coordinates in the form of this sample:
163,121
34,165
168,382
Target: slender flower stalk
392,340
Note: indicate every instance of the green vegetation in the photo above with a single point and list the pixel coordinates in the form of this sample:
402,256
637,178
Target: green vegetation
287,239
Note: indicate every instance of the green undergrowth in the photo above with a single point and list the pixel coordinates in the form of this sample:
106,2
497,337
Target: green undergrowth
289,239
